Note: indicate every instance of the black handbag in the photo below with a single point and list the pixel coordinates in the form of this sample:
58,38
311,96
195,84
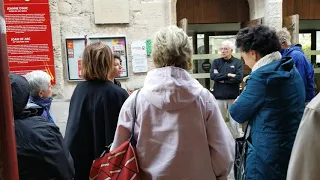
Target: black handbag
240,155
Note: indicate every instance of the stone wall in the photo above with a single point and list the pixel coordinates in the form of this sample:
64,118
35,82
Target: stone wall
72,18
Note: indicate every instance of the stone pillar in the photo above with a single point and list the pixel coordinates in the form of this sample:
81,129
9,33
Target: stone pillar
273,13
57,49
256,9
172,11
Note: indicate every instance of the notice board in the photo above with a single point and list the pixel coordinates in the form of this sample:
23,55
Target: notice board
29,36
75,48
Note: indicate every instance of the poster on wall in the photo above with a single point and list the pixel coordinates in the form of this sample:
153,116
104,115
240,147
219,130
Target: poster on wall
139,57
75,47
29,36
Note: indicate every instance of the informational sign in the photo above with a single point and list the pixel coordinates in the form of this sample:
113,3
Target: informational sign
139,56
29,36
76,46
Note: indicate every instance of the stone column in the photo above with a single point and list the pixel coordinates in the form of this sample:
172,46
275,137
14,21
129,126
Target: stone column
172,11
57,49
256,8
273,13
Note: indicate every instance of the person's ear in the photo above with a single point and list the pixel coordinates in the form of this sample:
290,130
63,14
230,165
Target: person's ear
40,94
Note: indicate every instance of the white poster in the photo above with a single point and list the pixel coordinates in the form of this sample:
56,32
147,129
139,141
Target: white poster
75,49
140,64
138,48
139,57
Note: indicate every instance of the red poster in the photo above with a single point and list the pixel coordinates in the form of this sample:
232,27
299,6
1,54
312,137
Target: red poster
29,36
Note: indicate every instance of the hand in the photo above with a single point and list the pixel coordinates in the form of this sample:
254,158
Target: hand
130,91
231,75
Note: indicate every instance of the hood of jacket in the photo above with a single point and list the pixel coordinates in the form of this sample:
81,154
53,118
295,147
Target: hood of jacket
287,52
171,88
276,72
20,92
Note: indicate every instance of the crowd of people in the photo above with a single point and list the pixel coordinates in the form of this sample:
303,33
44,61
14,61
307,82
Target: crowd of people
180,127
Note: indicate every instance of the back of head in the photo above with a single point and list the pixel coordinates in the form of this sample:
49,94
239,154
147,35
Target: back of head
97,62
20,92
259,38
171,47
284,36
38,81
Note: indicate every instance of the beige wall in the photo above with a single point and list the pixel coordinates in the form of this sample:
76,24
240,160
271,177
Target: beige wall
72,18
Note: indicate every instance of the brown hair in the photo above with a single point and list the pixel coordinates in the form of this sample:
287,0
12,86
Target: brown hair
97,62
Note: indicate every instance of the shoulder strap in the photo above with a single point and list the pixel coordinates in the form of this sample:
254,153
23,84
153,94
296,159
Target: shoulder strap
134,113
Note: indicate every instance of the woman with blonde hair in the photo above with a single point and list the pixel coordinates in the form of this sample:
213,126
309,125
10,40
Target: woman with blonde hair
179,129
94,109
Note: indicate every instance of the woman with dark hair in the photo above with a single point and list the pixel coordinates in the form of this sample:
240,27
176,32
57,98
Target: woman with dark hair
272,104
94,109
117,69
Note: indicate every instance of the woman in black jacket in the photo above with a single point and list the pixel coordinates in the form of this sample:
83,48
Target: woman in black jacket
41,152
94,109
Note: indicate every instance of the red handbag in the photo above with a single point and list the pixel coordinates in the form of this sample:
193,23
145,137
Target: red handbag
121,163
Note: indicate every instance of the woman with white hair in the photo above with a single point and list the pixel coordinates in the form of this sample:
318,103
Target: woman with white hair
179,129
40,93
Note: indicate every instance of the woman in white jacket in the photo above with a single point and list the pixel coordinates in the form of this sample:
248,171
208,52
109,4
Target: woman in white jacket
305,158
180,131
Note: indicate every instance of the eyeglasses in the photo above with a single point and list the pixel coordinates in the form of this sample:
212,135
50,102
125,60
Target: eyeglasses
224,49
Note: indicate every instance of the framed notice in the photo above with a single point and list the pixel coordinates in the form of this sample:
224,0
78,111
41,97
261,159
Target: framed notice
75,48
29,36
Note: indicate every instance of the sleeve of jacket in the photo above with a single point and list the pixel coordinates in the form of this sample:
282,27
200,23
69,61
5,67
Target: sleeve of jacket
55,153
221,142
239,74
299,60
215,75
303,162
306,72
248,102
123,130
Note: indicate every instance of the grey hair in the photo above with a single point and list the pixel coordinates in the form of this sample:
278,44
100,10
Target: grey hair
284,35
38,81
228,44
171,47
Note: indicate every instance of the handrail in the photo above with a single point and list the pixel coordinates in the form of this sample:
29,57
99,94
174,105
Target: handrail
207,75
197,57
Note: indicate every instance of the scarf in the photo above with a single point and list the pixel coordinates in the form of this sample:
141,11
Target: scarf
45,103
